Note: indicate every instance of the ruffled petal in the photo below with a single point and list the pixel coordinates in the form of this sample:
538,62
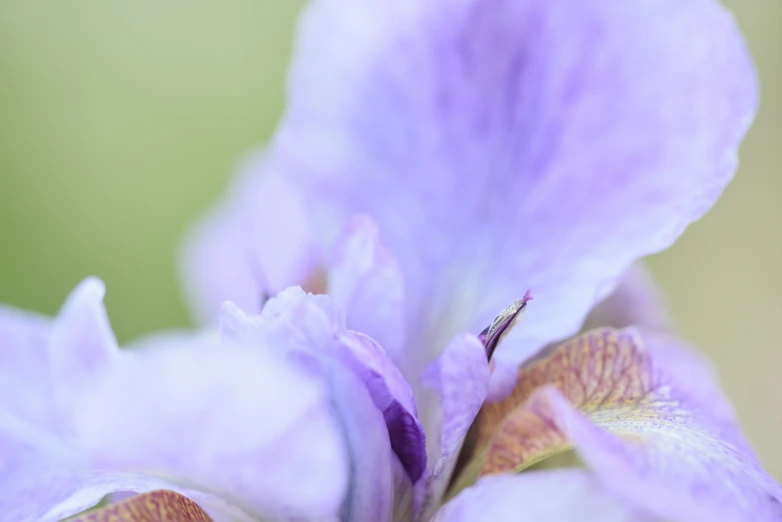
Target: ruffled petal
365,279
252,245
644,415
225,418
392,396
44,364
51,360
43,360
540,496
510,145
315,326
184,413
82,343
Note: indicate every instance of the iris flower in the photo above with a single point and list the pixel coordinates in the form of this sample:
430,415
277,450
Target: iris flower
363,355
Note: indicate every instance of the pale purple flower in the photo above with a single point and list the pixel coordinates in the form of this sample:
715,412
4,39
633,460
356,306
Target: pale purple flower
188,412
435,160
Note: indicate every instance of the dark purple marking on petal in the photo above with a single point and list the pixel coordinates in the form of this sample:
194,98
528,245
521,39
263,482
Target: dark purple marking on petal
391,393
503,324
407,440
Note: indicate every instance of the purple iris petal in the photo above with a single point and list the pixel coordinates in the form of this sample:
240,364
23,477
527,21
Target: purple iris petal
81,343
636,301
393,397
504,145
644,413
372,489
680,476
23,357
407,439
209,416
321,319
202,414
254,244
497,145
502,381
365,279
540,496
460,376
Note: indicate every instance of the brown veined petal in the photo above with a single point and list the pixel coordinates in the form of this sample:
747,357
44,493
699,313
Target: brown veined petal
155,506
600,370
643,413
604,373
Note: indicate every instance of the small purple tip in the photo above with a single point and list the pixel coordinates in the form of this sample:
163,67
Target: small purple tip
503,323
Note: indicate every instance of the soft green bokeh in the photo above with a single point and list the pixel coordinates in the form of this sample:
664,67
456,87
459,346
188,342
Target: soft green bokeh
121,121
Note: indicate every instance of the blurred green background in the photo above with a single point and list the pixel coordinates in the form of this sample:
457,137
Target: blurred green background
120,122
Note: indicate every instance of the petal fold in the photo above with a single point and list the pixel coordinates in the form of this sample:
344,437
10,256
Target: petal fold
540,496
645,416
365,279
392,396
315,326
460,377
372,487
